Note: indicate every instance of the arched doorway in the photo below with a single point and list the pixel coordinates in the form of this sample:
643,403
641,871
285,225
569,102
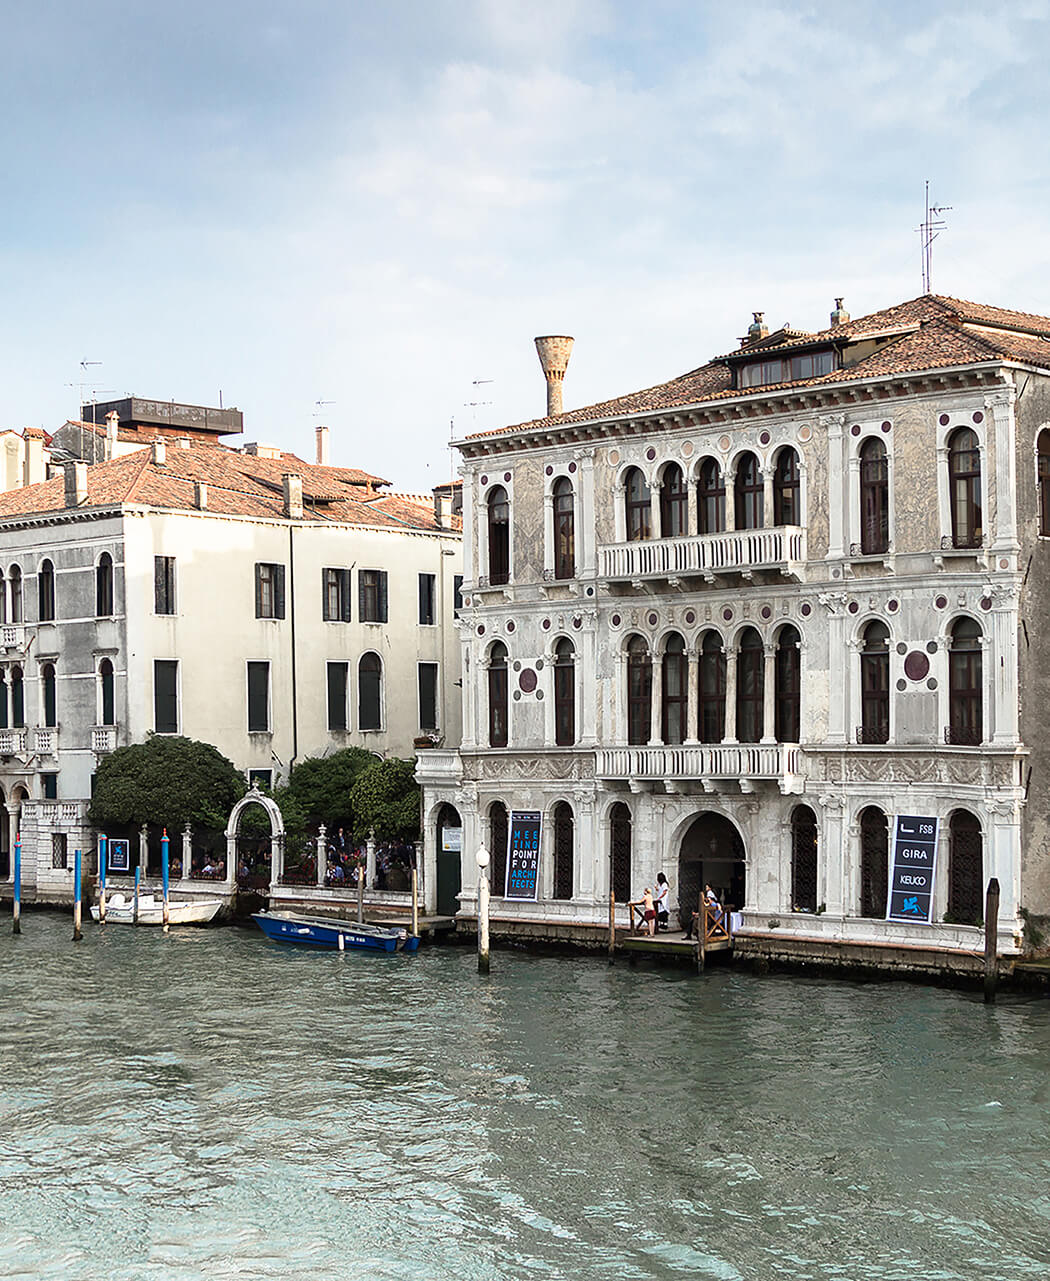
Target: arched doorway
712,853
255,797
449,854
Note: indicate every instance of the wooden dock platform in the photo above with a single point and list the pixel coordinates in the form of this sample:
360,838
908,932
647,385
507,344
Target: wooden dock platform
675,945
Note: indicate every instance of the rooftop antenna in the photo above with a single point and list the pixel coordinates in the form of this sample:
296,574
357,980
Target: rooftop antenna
931,227
319,407
475,405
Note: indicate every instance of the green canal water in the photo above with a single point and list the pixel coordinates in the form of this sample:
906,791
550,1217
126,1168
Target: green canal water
212,1105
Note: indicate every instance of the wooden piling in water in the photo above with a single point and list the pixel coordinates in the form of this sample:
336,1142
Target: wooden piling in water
415,900
991,941
483,923
103,849
16,906
135,901
360,895
612,926
164,876
77,935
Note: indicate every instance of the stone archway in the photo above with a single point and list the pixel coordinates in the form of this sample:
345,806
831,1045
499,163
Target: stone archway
449,859
711,852
255,797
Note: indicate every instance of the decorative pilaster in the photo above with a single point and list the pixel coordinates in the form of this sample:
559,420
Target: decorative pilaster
1001,406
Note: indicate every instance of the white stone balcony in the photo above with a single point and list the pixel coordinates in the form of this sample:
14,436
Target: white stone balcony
437,767
713,765
45,741
12,742
12,635
103,738
781,549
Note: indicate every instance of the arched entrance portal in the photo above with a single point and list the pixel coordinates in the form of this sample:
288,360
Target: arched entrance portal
449,850
255,797
712,853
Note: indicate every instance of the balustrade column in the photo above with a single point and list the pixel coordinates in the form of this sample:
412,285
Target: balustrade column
729,735
730,488
769,692
187,852
692,706
322,855
369,870
768,514
654,511
144,849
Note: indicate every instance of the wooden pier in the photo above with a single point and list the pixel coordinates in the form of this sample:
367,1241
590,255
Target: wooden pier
713,936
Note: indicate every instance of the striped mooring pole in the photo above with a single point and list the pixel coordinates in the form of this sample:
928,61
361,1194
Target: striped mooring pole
164,875
102,848
16,920
77,935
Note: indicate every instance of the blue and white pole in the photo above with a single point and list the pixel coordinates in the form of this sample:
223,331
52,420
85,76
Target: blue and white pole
16,923
102,851
77,935
164,874
135,905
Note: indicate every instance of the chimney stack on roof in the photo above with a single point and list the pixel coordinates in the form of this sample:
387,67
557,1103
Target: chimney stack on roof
840,315
554,352
322,447
159,452
33,471
200,495
76,484
112,423
758,329
442,511
293,496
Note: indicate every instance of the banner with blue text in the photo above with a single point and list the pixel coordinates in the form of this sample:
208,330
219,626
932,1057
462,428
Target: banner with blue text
523,856
910,896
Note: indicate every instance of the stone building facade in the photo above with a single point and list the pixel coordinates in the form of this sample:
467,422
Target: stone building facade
728,627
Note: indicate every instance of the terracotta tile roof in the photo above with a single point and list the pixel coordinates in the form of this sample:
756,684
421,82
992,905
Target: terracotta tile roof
238,485
929,332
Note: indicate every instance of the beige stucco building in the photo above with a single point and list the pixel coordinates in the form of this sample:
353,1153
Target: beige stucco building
730,626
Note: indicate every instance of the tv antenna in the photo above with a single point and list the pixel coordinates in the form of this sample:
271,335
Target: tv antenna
931,227
320,406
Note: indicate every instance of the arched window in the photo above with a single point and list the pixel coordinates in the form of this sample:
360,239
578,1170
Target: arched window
15,577
104,585
499,536
875,684
498,719
639,506
45,581
674,503
748,493
788,701
563,850
803,859
639,691
965,693
964,478
564,694
874,862
965,870
370,692
711,497
108,705
787,503
498,822
3,598
1043,474
874,499
47,677
620,852
564,530
18,699
712,679
750,687
674,712
4,722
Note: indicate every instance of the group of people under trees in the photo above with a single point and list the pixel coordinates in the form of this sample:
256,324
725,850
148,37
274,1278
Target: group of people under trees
656,908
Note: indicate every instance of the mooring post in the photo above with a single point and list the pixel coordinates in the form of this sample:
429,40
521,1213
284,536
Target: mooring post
16,918
164,875
77,936
360,895
483,910
342,942
102,849
415,900
991,941
135,901
612,926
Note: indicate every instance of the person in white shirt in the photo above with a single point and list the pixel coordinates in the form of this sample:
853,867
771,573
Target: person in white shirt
663,903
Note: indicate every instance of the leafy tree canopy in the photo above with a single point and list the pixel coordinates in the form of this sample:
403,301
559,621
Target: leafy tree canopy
322,785
386,797
167,780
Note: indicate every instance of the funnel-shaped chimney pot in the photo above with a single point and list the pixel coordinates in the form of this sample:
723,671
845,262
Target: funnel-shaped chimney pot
554,351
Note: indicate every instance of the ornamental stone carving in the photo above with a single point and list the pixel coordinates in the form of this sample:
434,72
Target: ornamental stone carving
552,767
858,767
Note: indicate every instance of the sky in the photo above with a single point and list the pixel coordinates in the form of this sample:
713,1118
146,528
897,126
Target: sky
361,214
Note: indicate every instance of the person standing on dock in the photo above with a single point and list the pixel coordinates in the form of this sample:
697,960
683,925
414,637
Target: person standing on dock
663,894
648,910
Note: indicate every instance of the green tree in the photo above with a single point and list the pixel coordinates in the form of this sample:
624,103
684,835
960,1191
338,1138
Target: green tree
169,781
322,785
386,797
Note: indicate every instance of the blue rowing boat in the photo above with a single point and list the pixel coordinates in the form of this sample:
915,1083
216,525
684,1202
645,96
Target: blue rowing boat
320,931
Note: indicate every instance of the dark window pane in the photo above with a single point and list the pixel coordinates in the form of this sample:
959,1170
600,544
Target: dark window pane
874,862
337,681
428,673
164,584
104,585
50,695
369,692
165,696
427,610
499,536
563,850
46,593
108,700
803,859
564,530
258,697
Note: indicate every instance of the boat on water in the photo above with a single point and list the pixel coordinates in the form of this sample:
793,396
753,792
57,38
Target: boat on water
120,910
320,931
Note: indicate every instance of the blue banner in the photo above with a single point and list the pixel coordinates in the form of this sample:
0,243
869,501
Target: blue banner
523,856
910,895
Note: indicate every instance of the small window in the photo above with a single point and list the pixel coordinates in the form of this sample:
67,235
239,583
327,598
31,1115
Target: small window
965,684
428,677
369,692
166,696
427,600
497,682
564,529
786,489
457,594
260,778
1043,474
258,698
748,493
108,701
338,678
711,495
788,688
803,859
50,693
164,584
564,694
875,684
269,591
639,507
673,713
59,849
4,722
750,687
15,577
104,585
499,536
46,585
964,476
674,503
639,691
371,585
18,699
335,595
874,499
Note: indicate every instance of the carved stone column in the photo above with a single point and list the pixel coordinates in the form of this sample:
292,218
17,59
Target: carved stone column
833,424
831,842
769,688
1001,406
187,852
730,730
656,710
322,855
692,706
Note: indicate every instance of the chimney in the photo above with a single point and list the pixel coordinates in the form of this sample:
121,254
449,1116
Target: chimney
112,420
442,511
554,352
758,329
840,315
200,495
159,451
293,496
76,484
322,447
33,466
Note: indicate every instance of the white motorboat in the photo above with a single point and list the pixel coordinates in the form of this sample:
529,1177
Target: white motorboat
120,910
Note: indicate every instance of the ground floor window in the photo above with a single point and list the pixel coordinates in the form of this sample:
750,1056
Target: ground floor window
874,862
965,870
803,859
563,850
